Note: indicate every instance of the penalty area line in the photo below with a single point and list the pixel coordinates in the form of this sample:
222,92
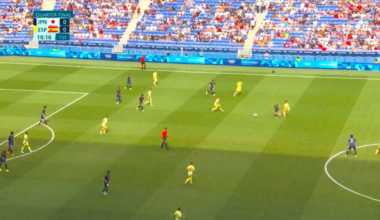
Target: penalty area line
51,130
341,185
201,72
40,148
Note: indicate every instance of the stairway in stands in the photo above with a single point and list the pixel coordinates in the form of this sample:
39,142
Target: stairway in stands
246,51
143,4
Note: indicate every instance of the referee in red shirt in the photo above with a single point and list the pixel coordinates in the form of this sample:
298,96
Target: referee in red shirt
142,63
164,138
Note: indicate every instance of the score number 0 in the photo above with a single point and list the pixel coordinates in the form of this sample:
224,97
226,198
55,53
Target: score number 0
64,26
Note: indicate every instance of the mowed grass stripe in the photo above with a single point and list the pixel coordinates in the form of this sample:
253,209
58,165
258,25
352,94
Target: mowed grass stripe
189,126
105,153
234,146
32,77
8,71
47,162
355,173
290,166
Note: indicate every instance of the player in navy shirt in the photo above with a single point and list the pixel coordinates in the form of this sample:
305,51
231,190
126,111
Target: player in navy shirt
276,110
129,83
106,181
3,159
11,141
43,116
118,96
211,88
351,144
141,103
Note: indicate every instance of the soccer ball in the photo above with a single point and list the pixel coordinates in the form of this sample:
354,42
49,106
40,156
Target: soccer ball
255,115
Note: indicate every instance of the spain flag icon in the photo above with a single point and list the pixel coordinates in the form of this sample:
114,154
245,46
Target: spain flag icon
52,29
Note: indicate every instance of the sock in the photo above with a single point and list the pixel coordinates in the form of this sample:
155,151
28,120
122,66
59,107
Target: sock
30,149
10,150
22,149
187,180
191,179
104,189
40,121
1,164
162,145
355,153
347,152
377,151
166,145
6,166
142,108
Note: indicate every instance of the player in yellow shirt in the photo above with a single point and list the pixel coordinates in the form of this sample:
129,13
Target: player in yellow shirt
149,98
178,214
25,143
217,105
286,108
216,101
190,170
155,78
238,88
104,126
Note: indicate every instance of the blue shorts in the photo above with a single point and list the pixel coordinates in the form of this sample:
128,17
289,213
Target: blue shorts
105,184
128,83
3,161
351,148
212,89
42,117
11,145
119,96
141,103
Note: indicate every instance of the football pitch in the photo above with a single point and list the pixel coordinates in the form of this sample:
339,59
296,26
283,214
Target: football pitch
247,167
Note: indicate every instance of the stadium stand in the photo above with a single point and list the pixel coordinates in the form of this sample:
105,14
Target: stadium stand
97,24
215,29
16,19
320,25
194,23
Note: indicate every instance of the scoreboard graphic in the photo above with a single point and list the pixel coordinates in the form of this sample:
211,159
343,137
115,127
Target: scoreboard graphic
51,25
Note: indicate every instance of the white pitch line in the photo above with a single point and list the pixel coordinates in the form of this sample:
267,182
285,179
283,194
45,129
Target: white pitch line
202,72
341,185
37,149
85,94
46,91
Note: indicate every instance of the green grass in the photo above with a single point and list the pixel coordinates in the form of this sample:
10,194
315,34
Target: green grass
247,167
